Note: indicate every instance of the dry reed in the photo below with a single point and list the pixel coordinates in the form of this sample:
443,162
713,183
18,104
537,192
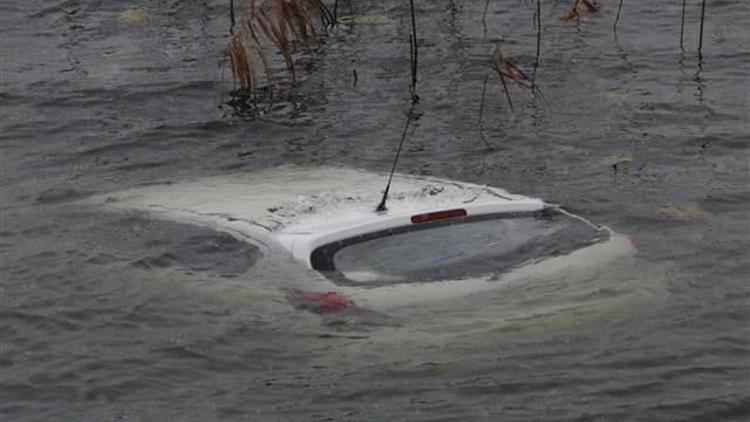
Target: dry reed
581,8
277,23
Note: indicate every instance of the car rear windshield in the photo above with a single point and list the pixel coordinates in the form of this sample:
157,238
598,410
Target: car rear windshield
459,248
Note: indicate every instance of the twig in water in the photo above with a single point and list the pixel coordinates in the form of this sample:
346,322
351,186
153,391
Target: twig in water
592,5
498,60
580,9
484,15
231,16
413,45
700,39
481,112
682,26
382,206
538,42
507,92
413,69
617,18
414,48
506,68
574,15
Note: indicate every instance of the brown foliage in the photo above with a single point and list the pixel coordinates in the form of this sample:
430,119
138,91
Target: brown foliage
508,70
581,8
279,23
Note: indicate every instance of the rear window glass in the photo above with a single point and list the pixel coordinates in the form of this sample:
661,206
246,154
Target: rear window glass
458,250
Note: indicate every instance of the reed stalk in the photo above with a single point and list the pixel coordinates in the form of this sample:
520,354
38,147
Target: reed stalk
617,17
538,42
700,38
265,23
682,26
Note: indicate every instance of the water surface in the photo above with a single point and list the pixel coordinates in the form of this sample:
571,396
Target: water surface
119,317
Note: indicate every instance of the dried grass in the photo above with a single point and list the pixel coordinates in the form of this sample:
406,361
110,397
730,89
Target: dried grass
506,69
277,23
581,8
684,211
504,66
135,15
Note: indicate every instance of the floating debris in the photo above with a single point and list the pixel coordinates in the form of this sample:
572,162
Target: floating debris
617,161
136,15
581,9
337,310
612,95
316,302
684,211
617,17
613,160
277,22
359,20
506,69
509,70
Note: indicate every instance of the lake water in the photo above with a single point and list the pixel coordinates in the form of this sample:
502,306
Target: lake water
107,316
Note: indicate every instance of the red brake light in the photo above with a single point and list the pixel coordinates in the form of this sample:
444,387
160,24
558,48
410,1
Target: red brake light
438,215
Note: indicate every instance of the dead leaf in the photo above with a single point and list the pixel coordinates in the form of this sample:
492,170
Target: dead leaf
508,69
592,5
581,9
611,95
135,15
684,211
615,160
359,19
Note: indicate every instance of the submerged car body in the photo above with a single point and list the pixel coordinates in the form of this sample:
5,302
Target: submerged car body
438,239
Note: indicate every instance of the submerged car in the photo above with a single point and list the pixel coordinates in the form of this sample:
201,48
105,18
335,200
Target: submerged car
437,240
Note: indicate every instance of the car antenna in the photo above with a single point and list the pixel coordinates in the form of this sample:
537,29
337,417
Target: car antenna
413,47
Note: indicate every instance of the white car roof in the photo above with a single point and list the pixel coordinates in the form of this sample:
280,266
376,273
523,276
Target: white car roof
303,207
296,209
